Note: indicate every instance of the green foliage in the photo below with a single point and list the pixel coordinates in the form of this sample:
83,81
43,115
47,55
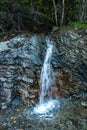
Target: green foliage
70,26
26,14
78,24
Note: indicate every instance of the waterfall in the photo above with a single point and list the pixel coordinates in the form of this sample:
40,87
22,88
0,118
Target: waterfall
46,73
46,103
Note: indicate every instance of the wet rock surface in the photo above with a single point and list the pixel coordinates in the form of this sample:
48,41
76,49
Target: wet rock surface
22,58
20,63
70,115
69,60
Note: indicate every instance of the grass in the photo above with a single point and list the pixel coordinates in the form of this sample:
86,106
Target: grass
72,25
78,24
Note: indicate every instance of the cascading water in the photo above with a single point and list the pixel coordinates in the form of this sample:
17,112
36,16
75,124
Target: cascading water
46,73
45,105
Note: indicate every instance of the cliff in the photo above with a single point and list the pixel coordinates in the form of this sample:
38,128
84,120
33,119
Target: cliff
22,57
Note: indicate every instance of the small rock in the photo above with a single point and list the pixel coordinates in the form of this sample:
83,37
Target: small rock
84,104
13,117
3,106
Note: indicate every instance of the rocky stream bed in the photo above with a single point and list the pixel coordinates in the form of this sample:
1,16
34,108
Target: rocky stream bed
70,115
21,60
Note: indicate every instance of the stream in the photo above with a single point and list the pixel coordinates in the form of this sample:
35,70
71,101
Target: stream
68,114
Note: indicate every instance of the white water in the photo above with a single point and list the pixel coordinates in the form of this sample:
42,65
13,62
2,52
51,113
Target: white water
45,109
46,103
46,73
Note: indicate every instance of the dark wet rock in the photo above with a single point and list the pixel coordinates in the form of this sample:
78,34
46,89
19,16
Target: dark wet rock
71,66
20,61
16,101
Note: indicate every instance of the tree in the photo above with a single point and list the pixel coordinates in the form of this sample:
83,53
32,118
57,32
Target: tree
33,14
63,8
55,12
83,10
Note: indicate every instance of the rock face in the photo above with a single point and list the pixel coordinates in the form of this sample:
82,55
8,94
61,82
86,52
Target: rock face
20,63
70,62
21,60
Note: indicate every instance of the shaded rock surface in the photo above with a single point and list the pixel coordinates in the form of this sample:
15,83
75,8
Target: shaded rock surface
71,115
22,58
70,62
20,63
